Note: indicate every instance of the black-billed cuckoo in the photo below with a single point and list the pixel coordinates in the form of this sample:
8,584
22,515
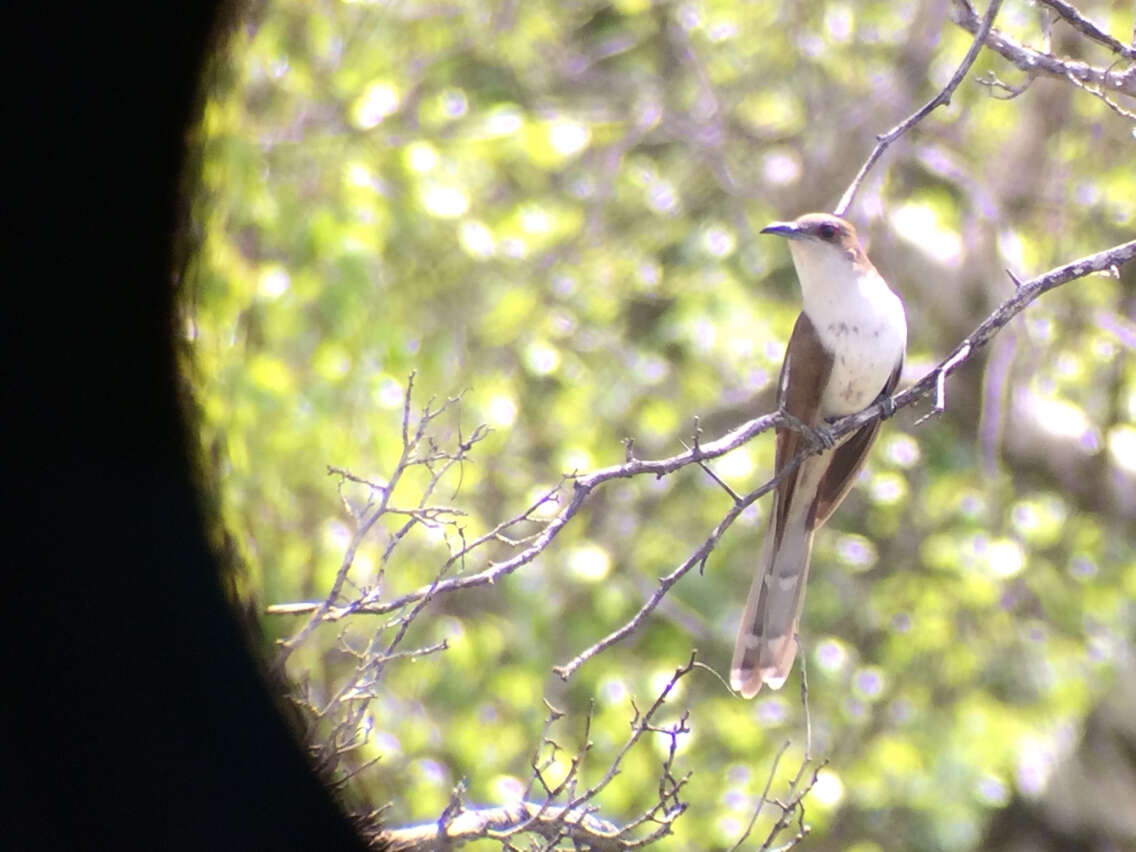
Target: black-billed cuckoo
845,351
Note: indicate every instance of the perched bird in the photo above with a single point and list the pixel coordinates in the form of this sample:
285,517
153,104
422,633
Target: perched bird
845,351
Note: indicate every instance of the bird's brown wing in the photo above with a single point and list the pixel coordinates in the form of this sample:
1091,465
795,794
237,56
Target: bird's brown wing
767,643
804,374
847,459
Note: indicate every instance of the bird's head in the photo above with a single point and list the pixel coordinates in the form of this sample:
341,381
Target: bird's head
821,242
819,229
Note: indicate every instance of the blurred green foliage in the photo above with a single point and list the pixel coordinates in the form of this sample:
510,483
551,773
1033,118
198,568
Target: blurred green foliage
552,209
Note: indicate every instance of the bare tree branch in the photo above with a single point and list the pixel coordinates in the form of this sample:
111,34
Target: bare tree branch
1079,22
573,820
582,486
1008,92
698,557
941,99
550,822
793,806
438,463
1026,294
1097,93
1033,61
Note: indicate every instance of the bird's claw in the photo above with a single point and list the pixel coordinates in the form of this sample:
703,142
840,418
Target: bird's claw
819,436
822,435
887,407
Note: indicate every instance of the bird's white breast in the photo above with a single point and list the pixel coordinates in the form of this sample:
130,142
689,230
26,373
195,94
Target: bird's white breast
859,319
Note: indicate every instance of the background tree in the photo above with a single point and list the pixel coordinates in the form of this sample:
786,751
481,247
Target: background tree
550,210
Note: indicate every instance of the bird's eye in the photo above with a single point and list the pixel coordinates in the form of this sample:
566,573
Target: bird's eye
827,231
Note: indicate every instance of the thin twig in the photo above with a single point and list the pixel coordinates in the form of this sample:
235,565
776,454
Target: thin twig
794,805
639,726
941,99
317,616
582,486
1086,27
698,557
805,702
764,797
961,354
710,472
1096,92
572,820
992,82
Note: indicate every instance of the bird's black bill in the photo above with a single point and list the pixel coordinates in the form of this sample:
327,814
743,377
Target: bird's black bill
783,229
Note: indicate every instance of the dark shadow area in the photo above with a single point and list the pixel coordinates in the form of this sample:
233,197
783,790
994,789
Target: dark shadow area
135,716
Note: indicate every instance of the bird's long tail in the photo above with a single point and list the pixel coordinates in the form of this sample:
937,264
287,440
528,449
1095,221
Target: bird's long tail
767,638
